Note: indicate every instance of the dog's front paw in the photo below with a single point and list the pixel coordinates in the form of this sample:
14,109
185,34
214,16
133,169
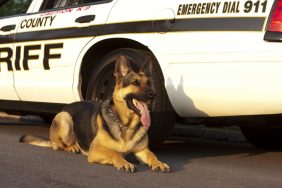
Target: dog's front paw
126,167
73,149
160,167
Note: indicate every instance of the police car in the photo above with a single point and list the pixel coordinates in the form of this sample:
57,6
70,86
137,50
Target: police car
215,61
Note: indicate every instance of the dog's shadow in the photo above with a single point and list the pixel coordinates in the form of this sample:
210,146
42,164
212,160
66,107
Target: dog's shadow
179,153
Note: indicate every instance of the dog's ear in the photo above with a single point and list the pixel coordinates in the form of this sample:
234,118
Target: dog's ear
122,67
147,66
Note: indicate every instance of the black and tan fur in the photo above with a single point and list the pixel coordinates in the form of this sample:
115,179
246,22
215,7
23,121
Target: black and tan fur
107,132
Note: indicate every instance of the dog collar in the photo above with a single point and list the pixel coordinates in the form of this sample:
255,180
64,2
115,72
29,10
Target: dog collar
112,122
115,119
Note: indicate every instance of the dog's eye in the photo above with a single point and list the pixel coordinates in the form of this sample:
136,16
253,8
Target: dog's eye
136,83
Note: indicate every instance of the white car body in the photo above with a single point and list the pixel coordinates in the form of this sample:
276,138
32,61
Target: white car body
215,61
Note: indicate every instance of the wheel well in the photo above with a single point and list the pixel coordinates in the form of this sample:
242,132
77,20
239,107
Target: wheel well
93,56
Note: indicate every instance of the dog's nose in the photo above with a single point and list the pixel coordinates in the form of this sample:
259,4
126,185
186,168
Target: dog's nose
150,94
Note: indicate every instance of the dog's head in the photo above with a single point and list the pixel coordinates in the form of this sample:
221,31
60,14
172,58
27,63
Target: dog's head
133,88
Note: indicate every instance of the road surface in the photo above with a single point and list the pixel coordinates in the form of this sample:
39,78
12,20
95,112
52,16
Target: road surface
195,162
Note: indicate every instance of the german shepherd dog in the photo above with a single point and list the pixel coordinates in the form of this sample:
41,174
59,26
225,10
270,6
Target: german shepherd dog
106,132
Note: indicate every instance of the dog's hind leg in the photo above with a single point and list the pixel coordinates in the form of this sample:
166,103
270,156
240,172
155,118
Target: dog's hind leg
62,135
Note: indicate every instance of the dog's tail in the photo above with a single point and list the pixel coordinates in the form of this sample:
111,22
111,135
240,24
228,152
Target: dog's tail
35,140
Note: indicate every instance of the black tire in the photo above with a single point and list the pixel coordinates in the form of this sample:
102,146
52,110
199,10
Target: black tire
263,137
101,85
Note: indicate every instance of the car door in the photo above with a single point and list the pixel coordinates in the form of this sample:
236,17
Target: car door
218,61
49,42
11,12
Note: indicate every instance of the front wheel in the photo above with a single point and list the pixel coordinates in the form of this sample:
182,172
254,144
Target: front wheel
101,86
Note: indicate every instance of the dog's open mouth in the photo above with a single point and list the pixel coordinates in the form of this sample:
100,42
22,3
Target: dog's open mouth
141,109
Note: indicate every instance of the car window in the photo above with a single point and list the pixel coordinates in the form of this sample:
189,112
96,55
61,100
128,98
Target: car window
64,3
13,7
90,1
51,4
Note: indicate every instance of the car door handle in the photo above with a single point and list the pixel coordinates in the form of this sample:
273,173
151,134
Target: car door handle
85,19
8,28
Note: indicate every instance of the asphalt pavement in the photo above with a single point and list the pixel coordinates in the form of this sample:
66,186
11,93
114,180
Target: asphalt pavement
195,162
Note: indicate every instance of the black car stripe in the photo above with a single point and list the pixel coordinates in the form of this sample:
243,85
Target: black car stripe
220,24
53,34
178,25
7,38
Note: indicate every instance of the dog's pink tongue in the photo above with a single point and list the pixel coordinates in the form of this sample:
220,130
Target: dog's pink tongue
145,114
